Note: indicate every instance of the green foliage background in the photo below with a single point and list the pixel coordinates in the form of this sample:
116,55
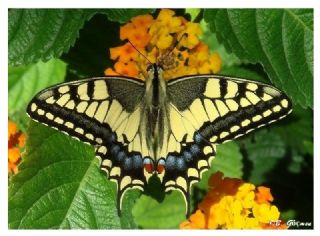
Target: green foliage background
60,185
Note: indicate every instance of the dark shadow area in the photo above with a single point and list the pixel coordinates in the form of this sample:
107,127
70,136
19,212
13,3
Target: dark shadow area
90,56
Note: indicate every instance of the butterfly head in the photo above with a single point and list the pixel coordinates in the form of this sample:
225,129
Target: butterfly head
154,76
154,70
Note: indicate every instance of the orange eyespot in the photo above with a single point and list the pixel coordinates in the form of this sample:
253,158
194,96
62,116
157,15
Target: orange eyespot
160,166
148,164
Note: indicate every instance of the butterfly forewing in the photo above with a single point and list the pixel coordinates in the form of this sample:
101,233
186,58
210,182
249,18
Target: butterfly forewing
104,112
223,108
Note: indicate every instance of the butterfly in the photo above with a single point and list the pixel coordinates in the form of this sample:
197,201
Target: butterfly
158,127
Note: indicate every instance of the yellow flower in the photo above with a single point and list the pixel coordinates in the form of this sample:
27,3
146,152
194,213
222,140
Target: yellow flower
168,40
166,19
193,30
16,141
265,213
215,62
232,204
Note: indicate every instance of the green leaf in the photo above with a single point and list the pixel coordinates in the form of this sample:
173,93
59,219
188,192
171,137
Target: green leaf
281,40
297,130
308,146
26,81
124,15
60,185
228,160
149,213
193,12
264,152
42,34
128,202
250,72
209,38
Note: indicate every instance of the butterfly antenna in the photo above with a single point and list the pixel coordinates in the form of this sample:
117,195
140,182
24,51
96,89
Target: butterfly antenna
139,52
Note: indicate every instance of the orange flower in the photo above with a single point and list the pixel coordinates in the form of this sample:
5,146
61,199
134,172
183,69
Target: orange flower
169,40
198,221
136,29
232,204
14,154
136,32
263,195
144,21
126,69
16,141
12,129
123,53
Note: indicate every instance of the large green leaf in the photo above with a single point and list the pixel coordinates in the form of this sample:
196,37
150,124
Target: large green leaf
60,185
26,81
42,34
150,213
250,72
228,59
297,131
264,151
280,39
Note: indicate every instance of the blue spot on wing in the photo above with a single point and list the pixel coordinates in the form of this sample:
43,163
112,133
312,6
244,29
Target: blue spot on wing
181,164
170,163
120,156
197,138
187,156
115,149
195,149
127,163
137,161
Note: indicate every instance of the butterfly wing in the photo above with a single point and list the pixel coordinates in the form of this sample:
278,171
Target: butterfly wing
208,110
106,113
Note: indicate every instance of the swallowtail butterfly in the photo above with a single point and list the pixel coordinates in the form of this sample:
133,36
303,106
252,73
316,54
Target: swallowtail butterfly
168,128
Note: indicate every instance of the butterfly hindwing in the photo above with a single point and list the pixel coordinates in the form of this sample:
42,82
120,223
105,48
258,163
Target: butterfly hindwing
209,110
104,112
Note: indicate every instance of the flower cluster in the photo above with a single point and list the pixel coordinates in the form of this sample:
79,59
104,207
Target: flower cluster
16,141
168,40
234,204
